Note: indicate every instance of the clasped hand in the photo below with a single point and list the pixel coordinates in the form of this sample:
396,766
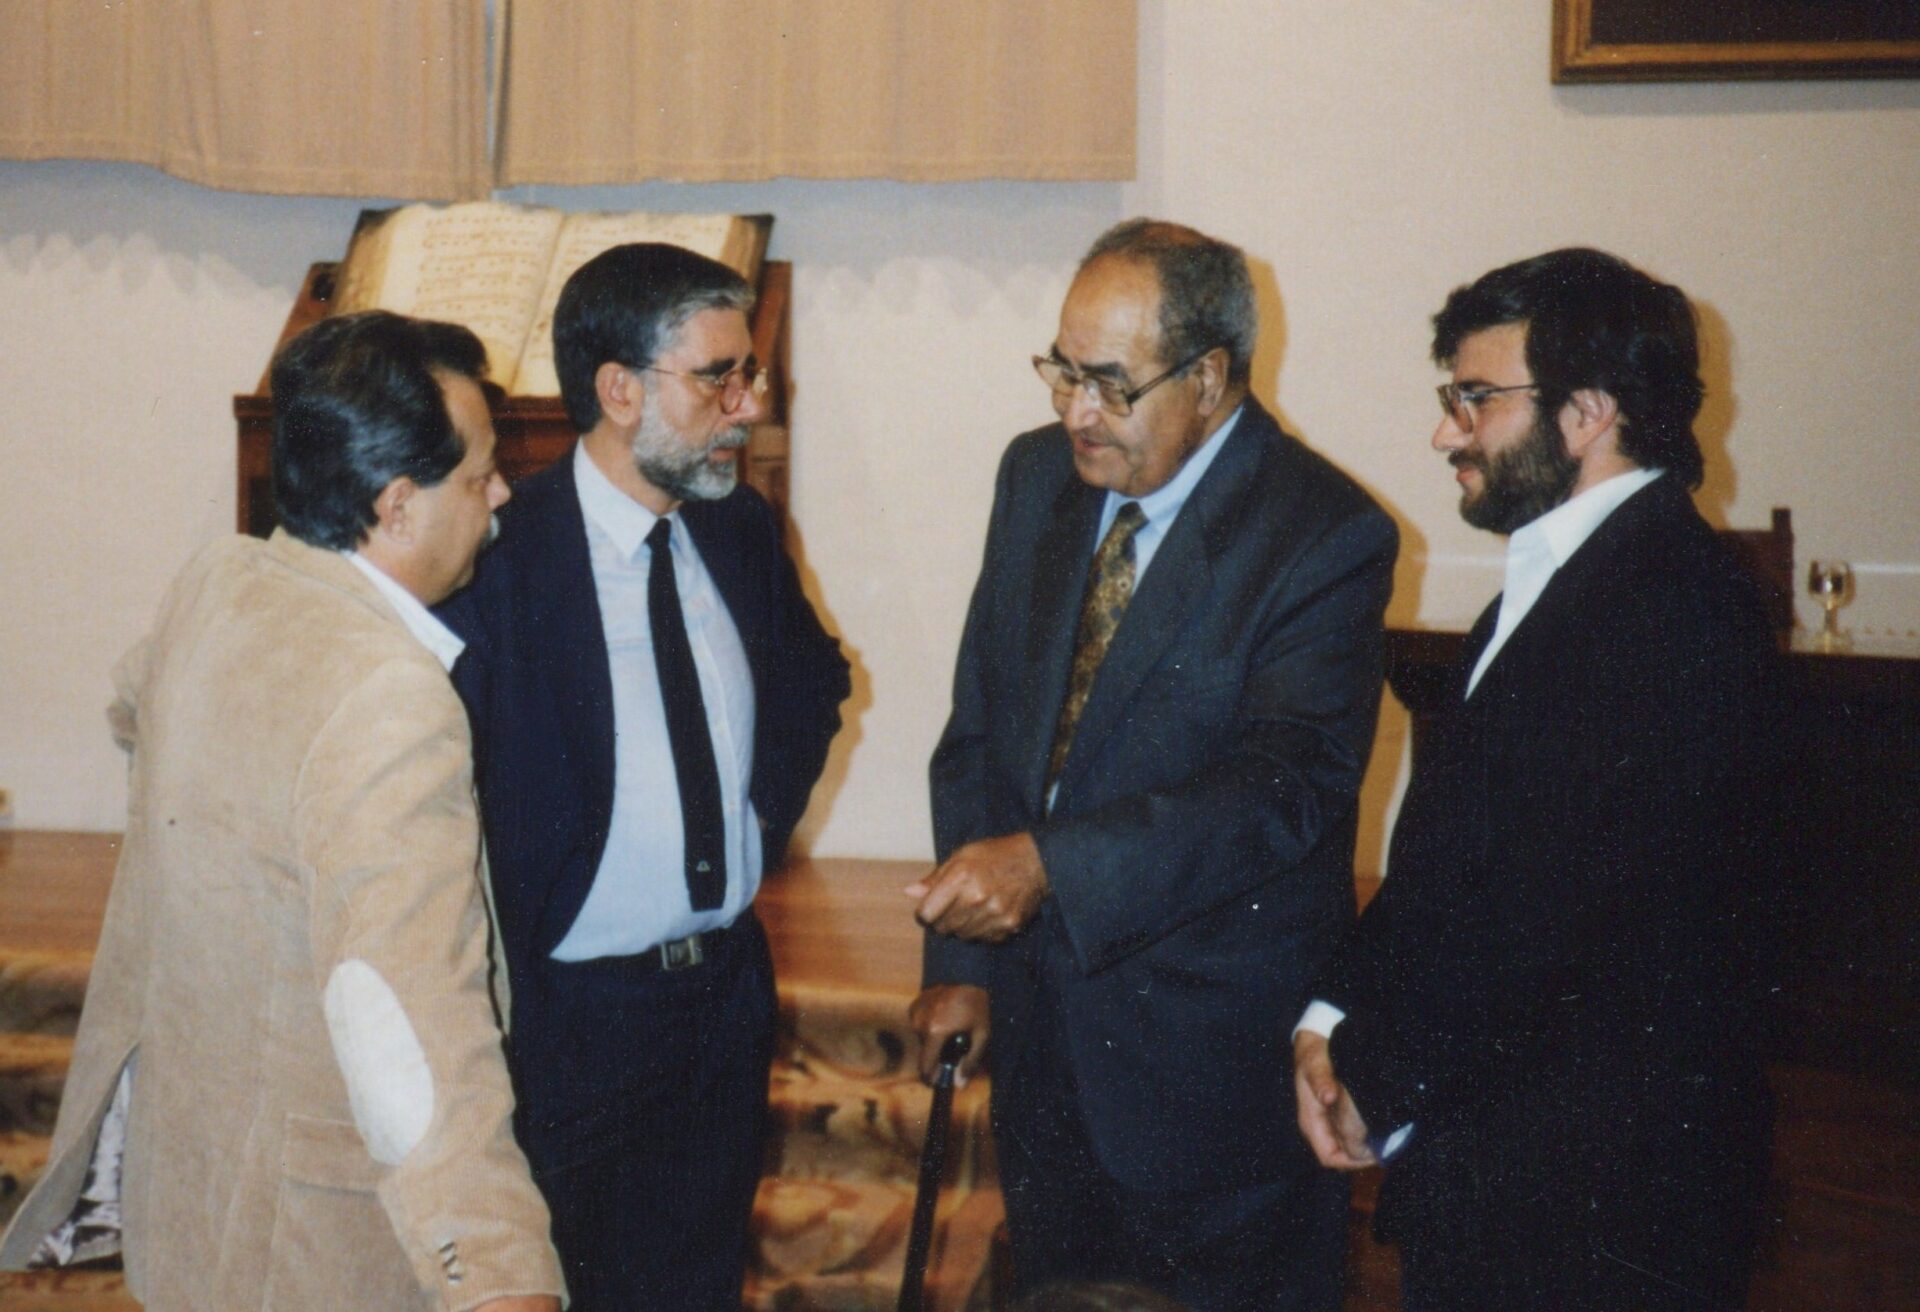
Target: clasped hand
985,892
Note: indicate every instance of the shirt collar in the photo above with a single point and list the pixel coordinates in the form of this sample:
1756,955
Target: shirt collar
1162,505
625,521
1564,529
436,637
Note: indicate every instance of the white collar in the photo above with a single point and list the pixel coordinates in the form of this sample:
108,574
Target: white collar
625,521
422,623
1564,529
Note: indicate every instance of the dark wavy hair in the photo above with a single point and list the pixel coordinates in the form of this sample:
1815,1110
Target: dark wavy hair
1595,321
1206,293
355,406
625,305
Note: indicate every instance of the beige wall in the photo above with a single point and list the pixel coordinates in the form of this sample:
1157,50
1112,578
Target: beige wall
1368,163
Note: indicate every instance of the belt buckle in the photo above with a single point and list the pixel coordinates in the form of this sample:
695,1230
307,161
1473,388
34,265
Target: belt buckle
681,953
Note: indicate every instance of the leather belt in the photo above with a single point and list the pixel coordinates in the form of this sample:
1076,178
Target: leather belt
670,957
685,953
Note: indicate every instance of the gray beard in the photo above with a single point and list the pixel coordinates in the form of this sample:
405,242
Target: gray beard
683,472
1523,482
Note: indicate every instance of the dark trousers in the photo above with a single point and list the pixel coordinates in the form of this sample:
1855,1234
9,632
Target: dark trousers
1561,1277
1482,1223
1273,1246
643,1112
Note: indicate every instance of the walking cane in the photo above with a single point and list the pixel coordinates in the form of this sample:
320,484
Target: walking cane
933,1161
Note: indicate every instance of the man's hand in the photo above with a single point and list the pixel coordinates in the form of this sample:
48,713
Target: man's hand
1328,1118
947,1009
986,891
521,1303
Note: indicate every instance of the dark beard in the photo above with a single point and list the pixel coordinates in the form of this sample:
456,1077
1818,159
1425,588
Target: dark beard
1522,483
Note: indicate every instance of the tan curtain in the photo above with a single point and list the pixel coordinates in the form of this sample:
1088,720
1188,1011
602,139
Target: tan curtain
613,91
327,97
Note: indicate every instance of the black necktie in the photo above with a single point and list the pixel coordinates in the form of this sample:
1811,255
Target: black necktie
702,819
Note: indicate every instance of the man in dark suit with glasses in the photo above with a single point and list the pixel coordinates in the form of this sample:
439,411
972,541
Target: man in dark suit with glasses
1144,800
652,699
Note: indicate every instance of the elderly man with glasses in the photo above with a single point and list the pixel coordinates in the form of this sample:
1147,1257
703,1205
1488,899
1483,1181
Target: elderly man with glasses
1144,800
652,699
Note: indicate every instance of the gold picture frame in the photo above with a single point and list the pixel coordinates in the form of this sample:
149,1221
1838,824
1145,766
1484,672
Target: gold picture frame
1670,40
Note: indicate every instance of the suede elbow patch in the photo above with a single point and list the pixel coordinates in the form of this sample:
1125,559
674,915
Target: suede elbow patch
389,1084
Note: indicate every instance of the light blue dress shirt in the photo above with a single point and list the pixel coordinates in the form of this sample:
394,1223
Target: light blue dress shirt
1162,506
639,894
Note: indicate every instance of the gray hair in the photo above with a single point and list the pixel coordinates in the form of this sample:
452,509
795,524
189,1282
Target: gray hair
1206,293
628,305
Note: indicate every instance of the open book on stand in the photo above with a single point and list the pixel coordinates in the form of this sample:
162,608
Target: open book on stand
499,268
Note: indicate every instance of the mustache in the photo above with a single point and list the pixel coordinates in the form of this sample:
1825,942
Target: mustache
733,439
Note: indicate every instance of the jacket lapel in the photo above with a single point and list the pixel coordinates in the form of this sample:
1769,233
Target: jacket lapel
1477,639
1061,556
565,629
1181,575
1566,600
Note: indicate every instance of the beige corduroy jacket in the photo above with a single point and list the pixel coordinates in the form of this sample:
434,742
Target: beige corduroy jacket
295,961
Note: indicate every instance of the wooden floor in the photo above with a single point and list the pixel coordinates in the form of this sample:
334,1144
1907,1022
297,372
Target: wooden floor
1847,1151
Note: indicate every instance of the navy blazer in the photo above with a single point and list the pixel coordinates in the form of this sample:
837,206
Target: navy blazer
1200,847
1559,982
536,681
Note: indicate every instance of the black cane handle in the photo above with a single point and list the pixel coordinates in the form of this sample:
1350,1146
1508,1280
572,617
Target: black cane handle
952,1053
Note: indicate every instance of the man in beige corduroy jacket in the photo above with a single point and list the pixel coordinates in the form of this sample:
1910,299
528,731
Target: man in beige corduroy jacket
287,1088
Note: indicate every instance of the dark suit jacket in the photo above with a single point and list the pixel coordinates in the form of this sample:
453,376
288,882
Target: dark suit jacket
1200,846
1557,982
536,682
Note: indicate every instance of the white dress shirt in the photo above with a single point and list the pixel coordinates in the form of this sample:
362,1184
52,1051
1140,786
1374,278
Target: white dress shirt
1535,553
639,895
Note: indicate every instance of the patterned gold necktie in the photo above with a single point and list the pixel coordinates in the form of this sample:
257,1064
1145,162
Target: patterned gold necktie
1109,589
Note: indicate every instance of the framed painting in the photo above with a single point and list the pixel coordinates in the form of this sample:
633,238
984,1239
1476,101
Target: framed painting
1700,40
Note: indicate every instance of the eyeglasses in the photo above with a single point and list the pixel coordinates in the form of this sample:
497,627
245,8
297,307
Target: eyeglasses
732,384
1111,396
1461,403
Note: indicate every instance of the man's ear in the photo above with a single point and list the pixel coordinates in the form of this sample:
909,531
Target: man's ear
393,509
1211,370
621,394
1590,420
